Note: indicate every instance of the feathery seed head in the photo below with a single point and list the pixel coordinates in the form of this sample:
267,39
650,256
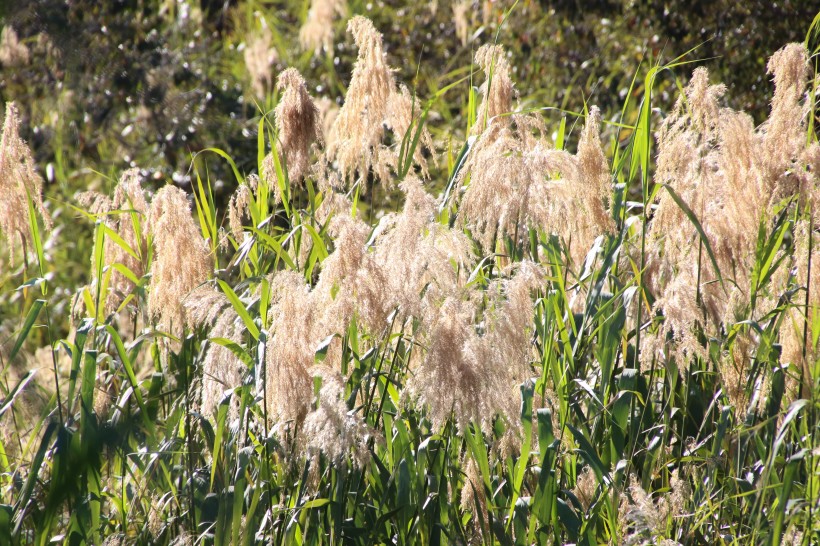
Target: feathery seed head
181,257
19,182
330,428
130,208
205,307
355,141
238,208
317,31
12,51
289,351
260,56
297,120
497,90
789,69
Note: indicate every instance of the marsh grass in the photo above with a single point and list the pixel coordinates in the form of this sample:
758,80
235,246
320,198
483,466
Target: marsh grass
616,371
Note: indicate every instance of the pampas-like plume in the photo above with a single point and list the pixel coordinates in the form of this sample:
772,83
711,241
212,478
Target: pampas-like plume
289,351
797,350
512,185
128,199
297,120
238,208
317,32
181,257
19,183
12,51
332,430
506,346
732,176
474,498
461,21
351,282
425,260
649,517
323,424
356,136
446,380
470,376
497,90
371,104
260,56
221,369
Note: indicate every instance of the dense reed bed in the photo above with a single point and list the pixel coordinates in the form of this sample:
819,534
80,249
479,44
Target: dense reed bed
598,331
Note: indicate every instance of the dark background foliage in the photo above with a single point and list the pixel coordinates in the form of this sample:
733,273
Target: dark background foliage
139,82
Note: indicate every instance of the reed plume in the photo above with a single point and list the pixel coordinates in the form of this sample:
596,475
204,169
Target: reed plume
516,181
222,371
470,375
124,213
19,184
297,121
497,90
260,56
289,351
331,429
425,261
181,257
317,31
372,104
12,51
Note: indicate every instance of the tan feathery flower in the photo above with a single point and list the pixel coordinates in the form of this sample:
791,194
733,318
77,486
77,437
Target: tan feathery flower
372,103
221,369
181,257
470,376
128,199
351,282
19,182
460,20
586,486
289,352
425,260
445,379
330,428
474,498
648,517
356,136
297,120
12,51
328,110
260,56
317,31
513,185
593,189
238,208
497,91
402,108
505,348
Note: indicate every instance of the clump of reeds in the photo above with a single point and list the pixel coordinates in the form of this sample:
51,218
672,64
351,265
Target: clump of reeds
732,176
514,180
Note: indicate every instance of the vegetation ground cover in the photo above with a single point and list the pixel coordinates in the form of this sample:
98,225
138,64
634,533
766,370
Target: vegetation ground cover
437,310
